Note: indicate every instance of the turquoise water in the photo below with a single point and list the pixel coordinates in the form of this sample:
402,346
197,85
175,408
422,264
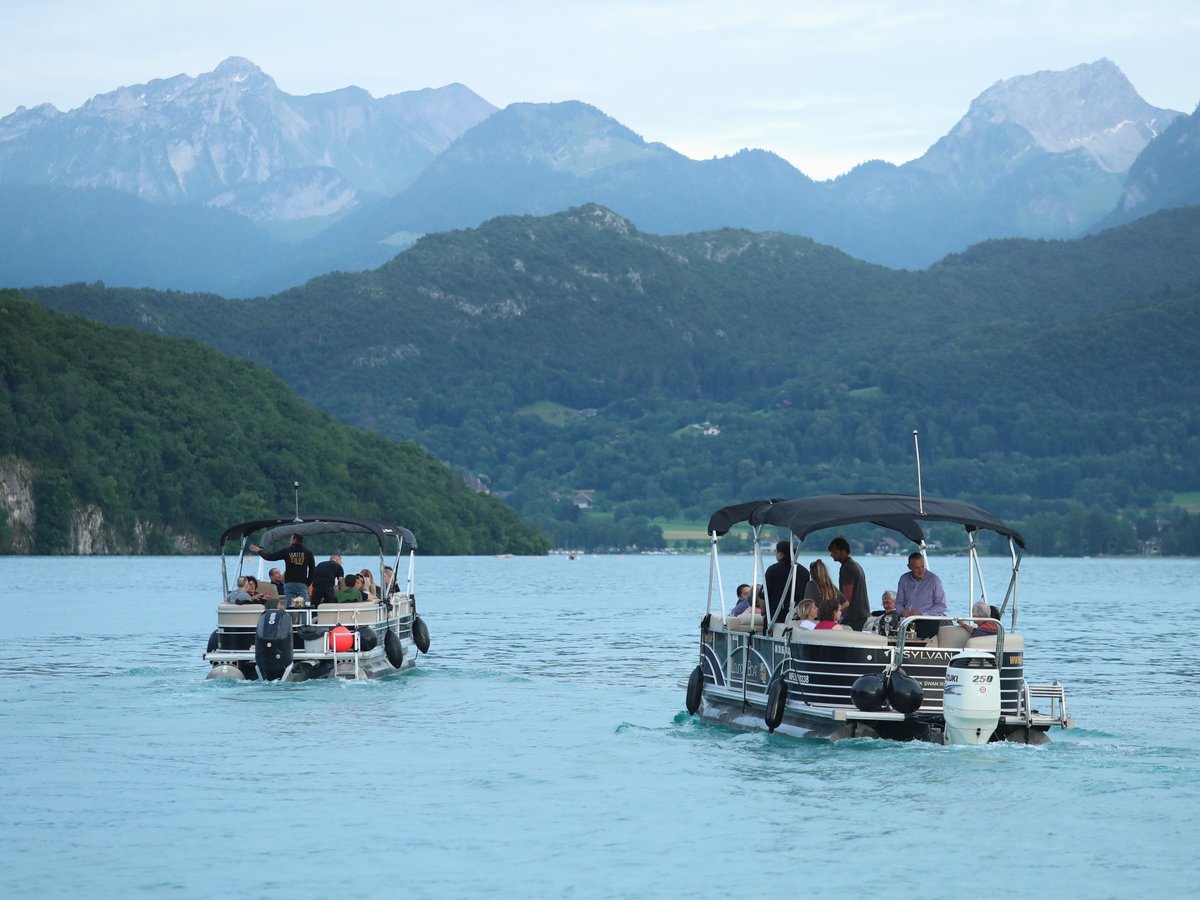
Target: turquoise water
541,749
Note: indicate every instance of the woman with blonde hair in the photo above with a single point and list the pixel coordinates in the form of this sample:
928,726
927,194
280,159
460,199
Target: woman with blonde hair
368,583
805,615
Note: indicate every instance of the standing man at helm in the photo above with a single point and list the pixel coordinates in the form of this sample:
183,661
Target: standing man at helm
298,567
920,593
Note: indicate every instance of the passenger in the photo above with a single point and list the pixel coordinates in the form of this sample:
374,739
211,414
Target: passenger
779,593
852,581
368,584
327,578
981,610
920,593
240,594
805,615
277,580
743,601
820,584
350,592
889,604
297,569
252,589
828,611
389,581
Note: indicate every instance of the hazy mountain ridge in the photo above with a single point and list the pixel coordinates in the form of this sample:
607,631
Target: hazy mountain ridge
231,138
1035,156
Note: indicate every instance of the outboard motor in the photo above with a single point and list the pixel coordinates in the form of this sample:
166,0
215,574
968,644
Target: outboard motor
971,702
273,644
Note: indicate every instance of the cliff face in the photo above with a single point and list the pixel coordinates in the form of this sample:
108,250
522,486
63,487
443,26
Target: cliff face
90,533
16,502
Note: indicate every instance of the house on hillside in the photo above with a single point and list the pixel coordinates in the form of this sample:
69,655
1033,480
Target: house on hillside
476,484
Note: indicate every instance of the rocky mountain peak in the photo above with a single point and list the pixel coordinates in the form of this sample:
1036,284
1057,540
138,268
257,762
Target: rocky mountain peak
1092,107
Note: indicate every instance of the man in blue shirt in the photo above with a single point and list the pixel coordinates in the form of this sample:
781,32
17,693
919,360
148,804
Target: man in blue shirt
920,593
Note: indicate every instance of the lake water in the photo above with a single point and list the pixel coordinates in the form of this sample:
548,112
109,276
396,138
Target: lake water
542,749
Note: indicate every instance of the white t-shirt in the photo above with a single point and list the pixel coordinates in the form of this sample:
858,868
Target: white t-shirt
809,624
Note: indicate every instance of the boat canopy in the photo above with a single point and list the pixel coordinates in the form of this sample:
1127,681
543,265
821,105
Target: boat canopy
903,513
281,530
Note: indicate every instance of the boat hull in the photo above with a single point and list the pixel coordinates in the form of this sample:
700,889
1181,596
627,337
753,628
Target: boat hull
819,669
232,656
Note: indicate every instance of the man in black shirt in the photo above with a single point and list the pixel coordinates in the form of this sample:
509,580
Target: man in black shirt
297,569
779,594
327,579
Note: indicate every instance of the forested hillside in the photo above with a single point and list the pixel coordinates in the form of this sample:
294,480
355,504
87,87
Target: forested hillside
573,352
129,442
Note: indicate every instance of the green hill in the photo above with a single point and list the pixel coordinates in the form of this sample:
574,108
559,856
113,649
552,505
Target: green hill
1044,376
112,440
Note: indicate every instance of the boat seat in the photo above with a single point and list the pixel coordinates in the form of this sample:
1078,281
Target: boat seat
1011,642
954,636
268,590
239,615
837,636
744,622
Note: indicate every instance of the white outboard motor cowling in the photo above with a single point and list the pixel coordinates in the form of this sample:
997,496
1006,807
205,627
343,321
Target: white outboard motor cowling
971,699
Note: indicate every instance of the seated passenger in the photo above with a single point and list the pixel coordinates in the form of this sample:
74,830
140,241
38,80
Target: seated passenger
252,589
743,600
829,610
367,584
981,610
350,592
805,615
888,602
241,594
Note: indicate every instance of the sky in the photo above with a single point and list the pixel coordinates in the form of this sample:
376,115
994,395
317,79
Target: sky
826,85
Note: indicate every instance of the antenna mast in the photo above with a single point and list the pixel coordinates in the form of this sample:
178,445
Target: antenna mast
920,496
296,488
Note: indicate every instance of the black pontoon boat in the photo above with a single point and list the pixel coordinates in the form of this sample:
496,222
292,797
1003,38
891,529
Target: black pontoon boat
374,638
882,681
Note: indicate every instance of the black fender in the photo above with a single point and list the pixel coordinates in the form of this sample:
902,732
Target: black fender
420,634
212,642
368,640
777,695
393,647
695,690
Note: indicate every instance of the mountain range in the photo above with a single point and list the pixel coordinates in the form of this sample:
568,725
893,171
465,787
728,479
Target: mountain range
224,183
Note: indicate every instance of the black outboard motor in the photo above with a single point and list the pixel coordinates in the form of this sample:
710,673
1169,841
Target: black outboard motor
273,644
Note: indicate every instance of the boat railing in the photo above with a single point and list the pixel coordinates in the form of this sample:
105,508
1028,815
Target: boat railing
907,623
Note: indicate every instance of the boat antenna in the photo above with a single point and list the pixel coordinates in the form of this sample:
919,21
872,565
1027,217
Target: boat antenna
296,488
920,496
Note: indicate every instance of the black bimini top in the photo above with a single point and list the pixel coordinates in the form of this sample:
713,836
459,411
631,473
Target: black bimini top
281,530
897,512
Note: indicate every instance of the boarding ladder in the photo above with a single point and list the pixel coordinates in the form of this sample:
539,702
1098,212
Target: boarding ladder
1056,695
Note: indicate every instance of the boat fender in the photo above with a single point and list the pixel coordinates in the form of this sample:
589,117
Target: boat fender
393,648
213,640
777,695
869,692
341,640
704,622
420,634
695,690
904,693
367,638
